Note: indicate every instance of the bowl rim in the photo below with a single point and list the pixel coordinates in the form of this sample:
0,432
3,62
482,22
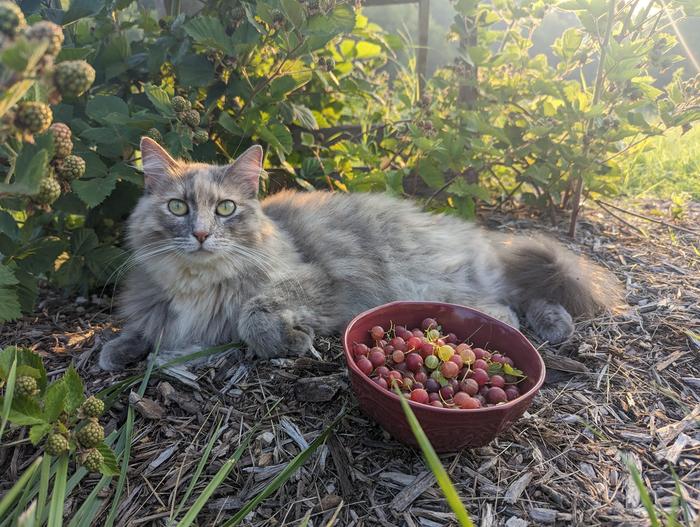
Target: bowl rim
349,359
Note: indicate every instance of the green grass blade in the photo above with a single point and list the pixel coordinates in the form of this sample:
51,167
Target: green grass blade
44,479
200,467
643,494
127,434
58,494
283,476
21,509
14,492
217,480
433,461
86,513
9,394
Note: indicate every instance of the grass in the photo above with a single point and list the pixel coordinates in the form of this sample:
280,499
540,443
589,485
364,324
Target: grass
663,167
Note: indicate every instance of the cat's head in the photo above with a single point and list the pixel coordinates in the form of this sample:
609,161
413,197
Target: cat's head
196,211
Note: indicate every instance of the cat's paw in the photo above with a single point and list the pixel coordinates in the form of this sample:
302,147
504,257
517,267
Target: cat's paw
121,351
503,313
551,322
271,330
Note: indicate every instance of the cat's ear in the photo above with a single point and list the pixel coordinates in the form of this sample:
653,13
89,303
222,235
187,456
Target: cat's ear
157,163
246,170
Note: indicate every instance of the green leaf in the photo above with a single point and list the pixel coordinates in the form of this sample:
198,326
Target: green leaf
461,188
9,394
22,54
8,225
209,32
159,99
109,464
31,166
74,389
83,242
16,490
54,400
37,432
102,107
80,9
294,11
10,308
58,494
195,71
277,136
643,494
94,191
321,29
304,117
509,370
433,461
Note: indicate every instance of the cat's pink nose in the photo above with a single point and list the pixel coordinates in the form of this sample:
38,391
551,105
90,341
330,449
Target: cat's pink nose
200,235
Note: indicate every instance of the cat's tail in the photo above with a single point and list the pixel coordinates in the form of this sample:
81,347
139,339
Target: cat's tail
539,268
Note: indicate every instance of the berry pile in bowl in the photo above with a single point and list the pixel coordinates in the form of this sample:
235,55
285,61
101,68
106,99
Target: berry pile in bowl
466,375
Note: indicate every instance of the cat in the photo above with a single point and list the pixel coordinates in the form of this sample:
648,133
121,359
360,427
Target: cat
212,264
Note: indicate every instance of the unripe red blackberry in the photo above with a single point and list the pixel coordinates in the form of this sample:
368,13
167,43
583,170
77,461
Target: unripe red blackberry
56,444
62,144
92,460
27,386
11,19
49,190
191,118
93,407
73,77
33,117
72,167
47,31
180,104
200,136
91,434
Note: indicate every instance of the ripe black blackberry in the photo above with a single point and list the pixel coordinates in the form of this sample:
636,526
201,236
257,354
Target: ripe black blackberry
73,77
33,117
62,144
46,31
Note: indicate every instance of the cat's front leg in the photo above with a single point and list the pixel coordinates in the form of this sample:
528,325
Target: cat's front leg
129,346
272,326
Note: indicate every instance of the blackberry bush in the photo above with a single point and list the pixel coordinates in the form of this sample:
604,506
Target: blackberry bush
73,77
56,445
33,117
71,168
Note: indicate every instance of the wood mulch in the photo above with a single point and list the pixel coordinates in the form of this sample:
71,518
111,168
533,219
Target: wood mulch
625,387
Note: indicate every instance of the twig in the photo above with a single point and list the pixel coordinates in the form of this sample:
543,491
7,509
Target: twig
642,216
634,227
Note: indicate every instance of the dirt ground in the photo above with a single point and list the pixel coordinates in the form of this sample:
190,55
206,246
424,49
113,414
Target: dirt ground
623,387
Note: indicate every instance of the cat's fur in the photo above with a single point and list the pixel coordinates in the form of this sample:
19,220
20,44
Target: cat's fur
280,271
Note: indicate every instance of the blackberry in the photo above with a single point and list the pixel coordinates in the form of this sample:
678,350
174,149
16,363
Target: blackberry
191,118
11,19
49,190
180,104
27,386
72,167
155,134
33,117
93,407
237,14
73,77
91,434
200,136
278,19
47,31
62,144
56,445
92,460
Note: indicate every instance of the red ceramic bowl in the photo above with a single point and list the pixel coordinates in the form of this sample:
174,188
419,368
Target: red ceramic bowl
449,430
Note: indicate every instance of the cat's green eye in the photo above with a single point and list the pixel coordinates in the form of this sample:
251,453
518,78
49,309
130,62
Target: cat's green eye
225,208
178,207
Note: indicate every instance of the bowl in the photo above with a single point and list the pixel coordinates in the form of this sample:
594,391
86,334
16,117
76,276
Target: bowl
448,430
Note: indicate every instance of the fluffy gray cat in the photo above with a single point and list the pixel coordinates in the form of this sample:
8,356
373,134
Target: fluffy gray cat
212,264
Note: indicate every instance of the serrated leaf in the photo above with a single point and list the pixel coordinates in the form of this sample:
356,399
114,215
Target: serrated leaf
54,400
495,368
461,188
31,166
10,308
109,464
39,256
37,432
101,107
304,117
209,32
195,71
294,11
8,225
82,8
159,99
104,261
277,136
74,389
83,241
19,417
24,357
510,370
94,191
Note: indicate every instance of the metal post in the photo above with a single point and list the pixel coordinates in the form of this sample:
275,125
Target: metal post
422,52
